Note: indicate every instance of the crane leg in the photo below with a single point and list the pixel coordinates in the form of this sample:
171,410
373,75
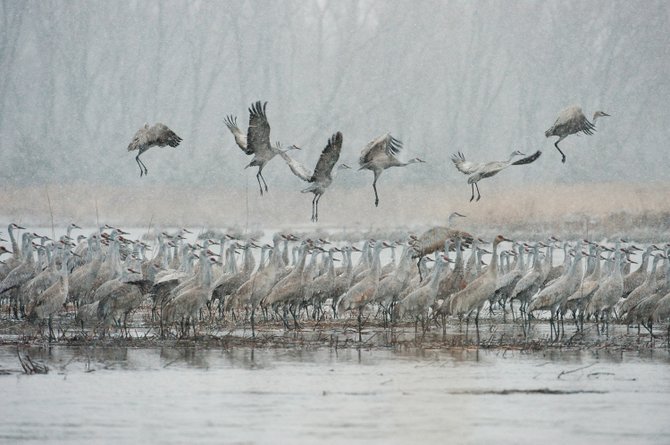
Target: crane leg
316,208
559,150
479,195
374,187
143,168
314,204
472,187
260,173
419,267
258,178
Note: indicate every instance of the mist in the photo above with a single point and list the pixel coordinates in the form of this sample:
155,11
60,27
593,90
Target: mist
484,78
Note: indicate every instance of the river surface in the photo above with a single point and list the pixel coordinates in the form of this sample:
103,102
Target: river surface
324,395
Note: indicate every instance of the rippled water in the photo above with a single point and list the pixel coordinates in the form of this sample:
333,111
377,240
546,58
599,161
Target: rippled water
187,395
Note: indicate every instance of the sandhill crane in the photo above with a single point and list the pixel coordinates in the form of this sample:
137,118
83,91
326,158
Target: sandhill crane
453,283
380,154
506,282
419,301
51,301
638,276
571,120
123,299
477,293
44,279
289,288
322,287
323,174
21,274
16,259
608,294
578,301
146,137
187,304
479,171
553,296
397,281
433,239
343,280
257,140
259,285
529,284
365,290
662,312
644,290
642,310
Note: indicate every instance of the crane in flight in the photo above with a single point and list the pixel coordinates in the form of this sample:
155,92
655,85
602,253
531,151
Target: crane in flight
323,174
380,154
257,140
571,120
479,171
146,137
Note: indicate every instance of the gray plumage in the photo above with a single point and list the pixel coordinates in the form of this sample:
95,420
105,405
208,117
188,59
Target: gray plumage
146,137
380,154
479,171
323,174
571,120
257,140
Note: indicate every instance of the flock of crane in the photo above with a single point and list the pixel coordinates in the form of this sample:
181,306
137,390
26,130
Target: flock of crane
377,156
106,276
438,277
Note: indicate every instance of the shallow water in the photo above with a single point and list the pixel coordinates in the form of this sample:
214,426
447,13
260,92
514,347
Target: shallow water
179,395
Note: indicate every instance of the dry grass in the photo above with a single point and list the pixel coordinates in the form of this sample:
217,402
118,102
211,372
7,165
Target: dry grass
612,209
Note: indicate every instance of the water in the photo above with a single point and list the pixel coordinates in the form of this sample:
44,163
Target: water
187,395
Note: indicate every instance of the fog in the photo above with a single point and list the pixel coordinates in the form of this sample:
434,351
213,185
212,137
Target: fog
78,78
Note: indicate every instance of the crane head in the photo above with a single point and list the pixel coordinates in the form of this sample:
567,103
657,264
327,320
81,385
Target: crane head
518,153
598,114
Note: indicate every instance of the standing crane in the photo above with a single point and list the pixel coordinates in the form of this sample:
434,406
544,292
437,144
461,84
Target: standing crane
257,140
380,154
433,239
146,137
323,174
479,171
572,121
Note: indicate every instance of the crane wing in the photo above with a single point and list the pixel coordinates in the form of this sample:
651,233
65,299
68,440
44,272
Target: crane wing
159,135
571,121
240,138
164,136
463,166
328,159
258,133
528,159
296,167
385,145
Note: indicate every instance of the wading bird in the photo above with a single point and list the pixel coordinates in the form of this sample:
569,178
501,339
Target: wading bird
479,171
323,174
433,239
146,137
381,154
257,140
572,121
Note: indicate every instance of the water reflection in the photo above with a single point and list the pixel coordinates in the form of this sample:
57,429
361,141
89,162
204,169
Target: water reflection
395,394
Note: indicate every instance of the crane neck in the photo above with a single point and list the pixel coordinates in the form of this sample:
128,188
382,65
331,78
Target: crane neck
15,244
